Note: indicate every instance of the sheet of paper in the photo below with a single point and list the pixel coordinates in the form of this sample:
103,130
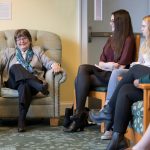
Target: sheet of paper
5,10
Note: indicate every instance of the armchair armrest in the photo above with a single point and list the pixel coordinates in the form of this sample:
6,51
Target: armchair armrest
54,81
146,105
63,76
60,77
144,86
49,77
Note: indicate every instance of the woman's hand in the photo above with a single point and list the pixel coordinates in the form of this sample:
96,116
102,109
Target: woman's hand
108,65
116,65
136,83
56,67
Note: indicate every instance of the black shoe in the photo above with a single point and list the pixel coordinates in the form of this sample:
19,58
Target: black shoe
67,120
78,123
21,129
117,142
74,127
21,126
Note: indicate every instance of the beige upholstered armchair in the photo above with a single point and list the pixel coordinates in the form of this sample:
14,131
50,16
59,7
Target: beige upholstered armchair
41,106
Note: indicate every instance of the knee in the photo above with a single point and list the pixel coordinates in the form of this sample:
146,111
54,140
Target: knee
82,68
114,76
13,67
137,67
115,73
23,85
119,72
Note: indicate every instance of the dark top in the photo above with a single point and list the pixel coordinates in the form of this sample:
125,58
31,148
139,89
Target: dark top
127,54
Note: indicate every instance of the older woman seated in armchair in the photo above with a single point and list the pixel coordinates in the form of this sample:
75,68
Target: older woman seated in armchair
24,66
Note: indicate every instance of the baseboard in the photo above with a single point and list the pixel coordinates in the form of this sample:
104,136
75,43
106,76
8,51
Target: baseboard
64,105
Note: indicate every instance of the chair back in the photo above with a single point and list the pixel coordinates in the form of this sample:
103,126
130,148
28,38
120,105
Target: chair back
137,45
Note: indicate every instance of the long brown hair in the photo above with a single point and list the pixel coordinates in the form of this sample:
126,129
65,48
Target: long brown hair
123,29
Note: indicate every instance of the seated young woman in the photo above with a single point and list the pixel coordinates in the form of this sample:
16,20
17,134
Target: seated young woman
118,52
118,110
144,59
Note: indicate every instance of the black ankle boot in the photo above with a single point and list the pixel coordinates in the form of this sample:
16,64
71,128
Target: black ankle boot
67,120
21,123
78,123
117,142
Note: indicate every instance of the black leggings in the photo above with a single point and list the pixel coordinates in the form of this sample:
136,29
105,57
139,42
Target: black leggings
125,95
88,77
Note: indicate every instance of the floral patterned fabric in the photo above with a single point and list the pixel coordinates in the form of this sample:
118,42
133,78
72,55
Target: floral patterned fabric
137,120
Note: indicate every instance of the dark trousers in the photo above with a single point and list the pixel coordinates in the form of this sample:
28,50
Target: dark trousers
124,96
88,77
27,86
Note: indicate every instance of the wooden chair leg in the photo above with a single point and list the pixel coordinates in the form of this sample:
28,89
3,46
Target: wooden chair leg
54,122
102,127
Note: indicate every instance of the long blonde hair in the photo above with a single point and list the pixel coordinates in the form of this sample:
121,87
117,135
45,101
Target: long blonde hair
145,48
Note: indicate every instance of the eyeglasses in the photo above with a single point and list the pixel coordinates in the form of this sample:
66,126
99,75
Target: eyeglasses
22,39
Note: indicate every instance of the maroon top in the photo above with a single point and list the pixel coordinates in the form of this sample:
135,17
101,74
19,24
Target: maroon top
127,54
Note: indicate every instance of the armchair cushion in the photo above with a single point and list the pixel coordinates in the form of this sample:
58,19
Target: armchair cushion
137,109
7,92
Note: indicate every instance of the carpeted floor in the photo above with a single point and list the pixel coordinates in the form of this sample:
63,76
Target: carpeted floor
40,136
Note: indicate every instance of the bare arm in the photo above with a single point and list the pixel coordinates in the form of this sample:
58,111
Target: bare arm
144,143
